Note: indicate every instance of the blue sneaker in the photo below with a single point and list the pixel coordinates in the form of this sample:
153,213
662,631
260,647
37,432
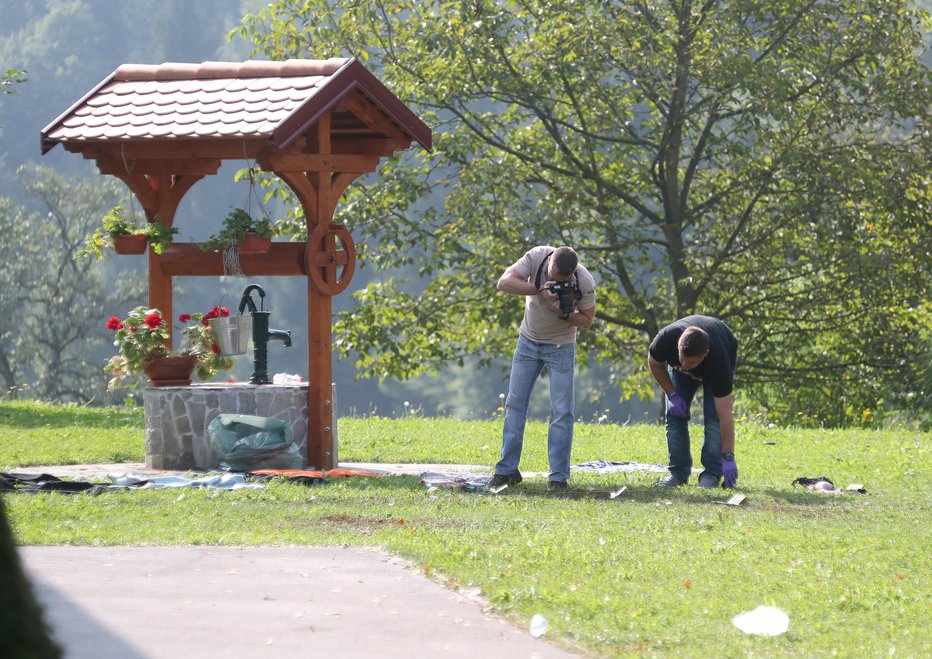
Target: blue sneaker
708,481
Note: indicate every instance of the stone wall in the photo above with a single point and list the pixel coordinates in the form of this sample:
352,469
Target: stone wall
177,418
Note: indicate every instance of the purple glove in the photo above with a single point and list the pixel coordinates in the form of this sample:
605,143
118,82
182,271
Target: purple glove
729,472
676,406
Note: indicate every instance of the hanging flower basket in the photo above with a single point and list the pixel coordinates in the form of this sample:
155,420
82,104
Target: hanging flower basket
171,371
130,243
255,244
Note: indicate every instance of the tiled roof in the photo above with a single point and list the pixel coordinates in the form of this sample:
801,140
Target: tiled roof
270,100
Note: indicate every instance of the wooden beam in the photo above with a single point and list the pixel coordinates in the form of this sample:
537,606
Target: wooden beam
343,142
173,149
189,260
145,166
318,163
371,116
301,185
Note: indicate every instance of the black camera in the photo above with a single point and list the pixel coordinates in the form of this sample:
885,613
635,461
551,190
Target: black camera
568,294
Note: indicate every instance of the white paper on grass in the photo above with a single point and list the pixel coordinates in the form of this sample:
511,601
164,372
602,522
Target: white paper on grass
539,625
764,621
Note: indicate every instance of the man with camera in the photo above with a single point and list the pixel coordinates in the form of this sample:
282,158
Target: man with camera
686,354
559,299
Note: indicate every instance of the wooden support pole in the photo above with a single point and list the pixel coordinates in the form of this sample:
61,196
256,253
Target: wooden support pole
320,440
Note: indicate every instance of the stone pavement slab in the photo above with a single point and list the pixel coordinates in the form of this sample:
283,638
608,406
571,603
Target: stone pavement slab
194,601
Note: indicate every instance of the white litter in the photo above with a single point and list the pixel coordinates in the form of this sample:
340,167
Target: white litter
539,625
764,621
286,378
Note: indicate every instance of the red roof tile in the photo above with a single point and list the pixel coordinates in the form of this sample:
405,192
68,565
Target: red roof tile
269,100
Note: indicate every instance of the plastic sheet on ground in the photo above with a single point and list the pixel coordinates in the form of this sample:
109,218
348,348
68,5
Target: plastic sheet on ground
468,482
225,481
606,467
32,483
309,476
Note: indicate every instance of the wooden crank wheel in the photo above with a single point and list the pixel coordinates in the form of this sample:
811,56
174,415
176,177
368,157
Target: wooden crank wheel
329,265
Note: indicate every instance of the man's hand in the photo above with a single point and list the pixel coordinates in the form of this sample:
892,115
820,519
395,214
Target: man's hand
729,472
547,293
676,406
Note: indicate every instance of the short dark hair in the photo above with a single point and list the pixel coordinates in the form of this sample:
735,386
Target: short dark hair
565,259
694,341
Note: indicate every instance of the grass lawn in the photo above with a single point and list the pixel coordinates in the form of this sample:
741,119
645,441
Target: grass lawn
652,573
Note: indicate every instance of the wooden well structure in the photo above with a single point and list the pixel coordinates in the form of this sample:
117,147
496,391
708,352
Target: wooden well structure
316,124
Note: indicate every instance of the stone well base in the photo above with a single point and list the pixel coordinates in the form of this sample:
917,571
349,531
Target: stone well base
177,418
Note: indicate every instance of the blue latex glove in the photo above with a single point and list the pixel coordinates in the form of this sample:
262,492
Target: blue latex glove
676,406
729,473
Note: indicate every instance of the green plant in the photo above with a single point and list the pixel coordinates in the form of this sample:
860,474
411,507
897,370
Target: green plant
236,225
143,335
116,223
158,235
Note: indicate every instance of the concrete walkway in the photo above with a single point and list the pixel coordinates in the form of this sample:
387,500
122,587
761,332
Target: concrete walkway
177,602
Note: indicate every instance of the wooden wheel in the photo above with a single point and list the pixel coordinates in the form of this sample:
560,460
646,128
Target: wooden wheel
324,258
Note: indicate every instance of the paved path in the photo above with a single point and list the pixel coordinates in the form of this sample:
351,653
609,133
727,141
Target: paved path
282,602
176,602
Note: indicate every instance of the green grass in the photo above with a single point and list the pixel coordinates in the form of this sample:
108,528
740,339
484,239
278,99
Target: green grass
650,573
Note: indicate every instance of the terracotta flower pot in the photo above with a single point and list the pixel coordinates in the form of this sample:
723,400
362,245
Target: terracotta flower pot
129,244
255,244
170,371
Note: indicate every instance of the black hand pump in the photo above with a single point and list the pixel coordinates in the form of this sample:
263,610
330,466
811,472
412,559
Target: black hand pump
261,334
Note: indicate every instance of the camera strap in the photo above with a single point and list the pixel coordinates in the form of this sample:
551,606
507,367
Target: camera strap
540,271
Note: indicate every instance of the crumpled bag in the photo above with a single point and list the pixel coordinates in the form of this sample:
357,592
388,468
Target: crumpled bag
824,485
244,442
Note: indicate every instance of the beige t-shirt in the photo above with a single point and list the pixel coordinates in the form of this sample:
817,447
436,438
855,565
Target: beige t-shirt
540,322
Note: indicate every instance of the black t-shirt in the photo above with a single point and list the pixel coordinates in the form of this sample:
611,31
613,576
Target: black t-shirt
717,370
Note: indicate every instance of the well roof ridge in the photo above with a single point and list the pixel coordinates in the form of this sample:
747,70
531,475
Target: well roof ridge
217,69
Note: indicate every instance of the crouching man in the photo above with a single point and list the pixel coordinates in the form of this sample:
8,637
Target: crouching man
686,354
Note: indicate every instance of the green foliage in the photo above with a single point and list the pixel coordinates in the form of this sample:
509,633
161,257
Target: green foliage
9,78
158,235
766,163
236,225
49,302
653,573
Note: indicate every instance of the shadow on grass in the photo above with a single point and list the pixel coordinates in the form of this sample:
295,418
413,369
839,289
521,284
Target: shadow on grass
807,498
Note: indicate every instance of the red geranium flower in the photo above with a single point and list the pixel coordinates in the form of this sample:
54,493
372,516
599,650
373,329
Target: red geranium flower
114,324
153,321
224,312
183,318
215,348
133,329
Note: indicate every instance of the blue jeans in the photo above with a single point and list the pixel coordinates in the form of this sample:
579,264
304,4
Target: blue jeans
529,360
681,460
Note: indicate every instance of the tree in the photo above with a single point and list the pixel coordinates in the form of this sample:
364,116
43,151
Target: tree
765,163
9,78
51,305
